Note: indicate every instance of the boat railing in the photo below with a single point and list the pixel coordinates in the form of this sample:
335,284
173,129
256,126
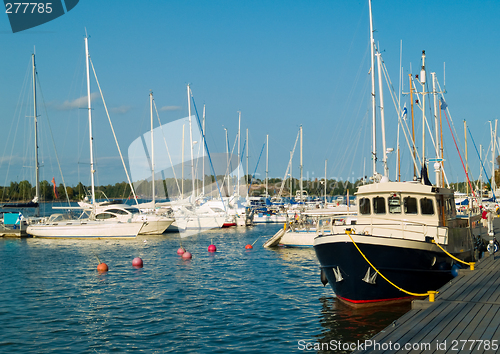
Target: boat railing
405,229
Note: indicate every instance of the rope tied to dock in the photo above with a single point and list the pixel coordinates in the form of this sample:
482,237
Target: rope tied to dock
470,264
429,293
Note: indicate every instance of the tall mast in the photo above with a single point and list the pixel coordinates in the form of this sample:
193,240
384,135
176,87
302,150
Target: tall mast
422,82
203,155
227,165
182,163
326,161
152,149
247,177
481,173
466,160
436,126
239,158
372,71
301,166
191,143
398,164
267,165
412,128
382,116
91,138
37,165
291,179
493,143
442,146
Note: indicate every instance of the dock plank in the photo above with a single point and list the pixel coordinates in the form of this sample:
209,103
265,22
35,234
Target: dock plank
444,328
491,329
488,289
405,332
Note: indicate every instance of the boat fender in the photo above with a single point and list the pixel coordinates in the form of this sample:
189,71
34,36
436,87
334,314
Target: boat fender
455,268
324,280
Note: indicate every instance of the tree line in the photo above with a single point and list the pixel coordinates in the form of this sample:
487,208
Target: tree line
25,191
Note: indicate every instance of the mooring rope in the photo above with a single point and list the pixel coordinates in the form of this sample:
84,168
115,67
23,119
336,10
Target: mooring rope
430,293
471,264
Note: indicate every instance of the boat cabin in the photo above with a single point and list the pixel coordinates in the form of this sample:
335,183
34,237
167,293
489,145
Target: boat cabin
409,201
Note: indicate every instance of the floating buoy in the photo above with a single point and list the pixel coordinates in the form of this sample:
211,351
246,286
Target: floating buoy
181,251
137,262
212,248
186,255
248,247
102,267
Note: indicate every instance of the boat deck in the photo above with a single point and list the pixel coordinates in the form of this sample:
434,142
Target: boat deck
465,316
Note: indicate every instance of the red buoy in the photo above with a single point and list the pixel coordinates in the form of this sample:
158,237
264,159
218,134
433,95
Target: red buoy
212,248
181,251
102,267
186,255
137,262
248,247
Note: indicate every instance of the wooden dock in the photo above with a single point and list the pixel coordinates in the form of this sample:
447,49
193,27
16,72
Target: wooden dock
465,317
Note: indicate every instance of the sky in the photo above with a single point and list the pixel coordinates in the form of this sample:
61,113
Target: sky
283,64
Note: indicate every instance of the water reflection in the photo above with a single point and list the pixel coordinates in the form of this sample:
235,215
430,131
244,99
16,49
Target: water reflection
340,322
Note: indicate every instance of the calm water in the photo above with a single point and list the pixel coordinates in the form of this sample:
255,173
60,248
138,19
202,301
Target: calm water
253,301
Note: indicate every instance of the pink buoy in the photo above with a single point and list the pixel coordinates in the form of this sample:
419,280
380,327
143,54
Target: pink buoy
212,248
181,251
137,262
187,255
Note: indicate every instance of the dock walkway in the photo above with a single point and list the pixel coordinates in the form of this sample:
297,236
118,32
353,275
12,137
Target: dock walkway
465,317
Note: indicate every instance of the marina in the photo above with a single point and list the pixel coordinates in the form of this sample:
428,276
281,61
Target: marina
266,198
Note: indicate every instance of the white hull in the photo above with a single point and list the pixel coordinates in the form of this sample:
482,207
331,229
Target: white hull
302,238
269,219
156,227
86,229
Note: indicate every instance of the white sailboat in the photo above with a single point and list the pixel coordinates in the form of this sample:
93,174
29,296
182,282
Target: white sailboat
61,226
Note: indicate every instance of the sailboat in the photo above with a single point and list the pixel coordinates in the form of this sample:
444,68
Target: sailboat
62,226
14,224
154,224
401,243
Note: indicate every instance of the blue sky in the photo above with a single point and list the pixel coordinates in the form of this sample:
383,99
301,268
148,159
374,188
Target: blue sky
281,63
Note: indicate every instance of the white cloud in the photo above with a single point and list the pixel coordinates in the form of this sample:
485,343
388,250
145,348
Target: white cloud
170,108
80,102
120,109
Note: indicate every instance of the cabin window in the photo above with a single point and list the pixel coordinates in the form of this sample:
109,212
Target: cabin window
117,211
103,216
133,210
364,206
426,206
449,205
394,205
410,205
379,205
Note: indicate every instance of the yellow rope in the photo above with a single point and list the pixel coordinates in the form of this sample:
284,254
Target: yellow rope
471,264
430,293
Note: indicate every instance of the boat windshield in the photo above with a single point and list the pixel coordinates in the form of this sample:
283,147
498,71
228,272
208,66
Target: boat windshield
133,210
